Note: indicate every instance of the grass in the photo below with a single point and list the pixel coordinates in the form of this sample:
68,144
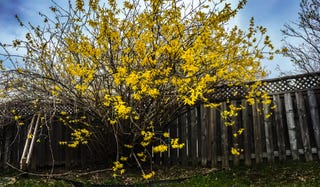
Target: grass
287,174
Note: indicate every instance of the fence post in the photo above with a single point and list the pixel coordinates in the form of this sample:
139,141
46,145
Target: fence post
314,111
291,126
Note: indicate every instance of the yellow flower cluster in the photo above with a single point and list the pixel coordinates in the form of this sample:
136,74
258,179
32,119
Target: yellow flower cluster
175,144
160,148
117,166
239,132
166,135
128,146
79,136
149,175
232,112
123,111
17,118
147,137
236,151
123,158
142,156
117,169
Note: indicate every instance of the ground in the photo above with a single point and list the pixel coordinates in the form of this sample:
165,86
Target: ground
277,174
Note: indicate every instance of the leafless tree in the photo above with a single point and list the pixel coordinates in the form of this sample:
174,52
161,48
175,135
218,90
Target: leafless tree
306,54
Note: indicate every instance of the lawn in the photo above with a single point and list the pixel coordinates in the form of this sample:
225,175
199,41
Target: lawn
286,174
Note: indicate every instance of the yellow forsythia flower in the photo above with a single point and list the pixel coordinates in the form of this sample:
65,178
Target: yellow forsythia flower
235,151
63,113
240,131
160,148
122,171
141,154
128,146
149,175
123,158
166,134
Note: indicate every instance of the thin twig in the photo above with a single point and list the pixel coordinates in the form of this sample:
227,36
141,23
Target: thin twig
58,174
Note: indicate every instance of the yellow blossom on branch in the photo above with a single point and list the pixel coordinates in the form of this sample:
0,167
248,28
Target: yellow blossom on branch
149,175
160,148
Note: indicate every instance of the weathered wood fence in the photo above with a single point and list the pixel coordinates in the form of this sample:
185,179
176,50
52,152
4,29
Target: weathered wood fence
292,132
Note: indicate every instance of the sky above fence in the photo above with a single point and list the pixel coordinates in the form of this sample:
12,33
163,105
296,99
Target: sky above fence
272,14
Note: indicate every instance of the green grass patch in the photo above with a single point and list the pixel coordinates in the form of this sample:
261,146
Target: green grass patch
288,174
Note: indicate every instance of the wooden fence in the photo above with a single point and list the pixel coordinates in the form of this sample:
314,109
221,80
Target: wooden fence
292,132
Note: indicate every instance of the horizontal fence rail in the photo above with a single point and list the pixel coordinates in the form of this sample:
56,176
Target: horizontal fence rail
292,132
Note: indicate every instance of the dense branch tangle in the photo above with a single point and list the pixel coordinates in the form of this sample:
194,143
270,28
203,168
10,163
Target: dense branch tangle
134,66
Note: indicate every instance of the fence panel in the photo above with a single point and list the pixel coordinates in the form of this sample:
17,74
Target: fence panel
291,132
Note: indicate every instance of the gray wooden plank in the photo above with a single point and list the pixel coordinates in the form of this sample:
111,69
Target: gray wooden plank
194,137
279,127
314,112
257,133
235,140
303,126
183,138
203,135
268,133
291,126
224,140
213,129
246,133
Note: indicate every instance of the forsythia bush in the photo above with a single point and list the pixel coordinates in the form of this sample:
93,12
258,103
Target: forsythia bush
132,66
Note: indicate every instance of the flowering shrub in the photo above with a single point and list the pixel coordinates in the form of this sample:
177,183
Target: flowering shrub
133,65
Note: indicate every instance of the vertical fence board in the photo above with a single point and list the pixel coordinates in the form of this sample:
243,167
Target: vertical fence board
235,138
189,129
194,137
1,145
303,126
203,135
246,133
257,133
268,133
173,132
314,112
279,127
209,140
224,139
182,135
213,127
291,126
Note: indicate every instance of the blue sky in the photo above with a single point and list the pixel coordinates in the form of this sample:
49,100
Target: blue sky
272,14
